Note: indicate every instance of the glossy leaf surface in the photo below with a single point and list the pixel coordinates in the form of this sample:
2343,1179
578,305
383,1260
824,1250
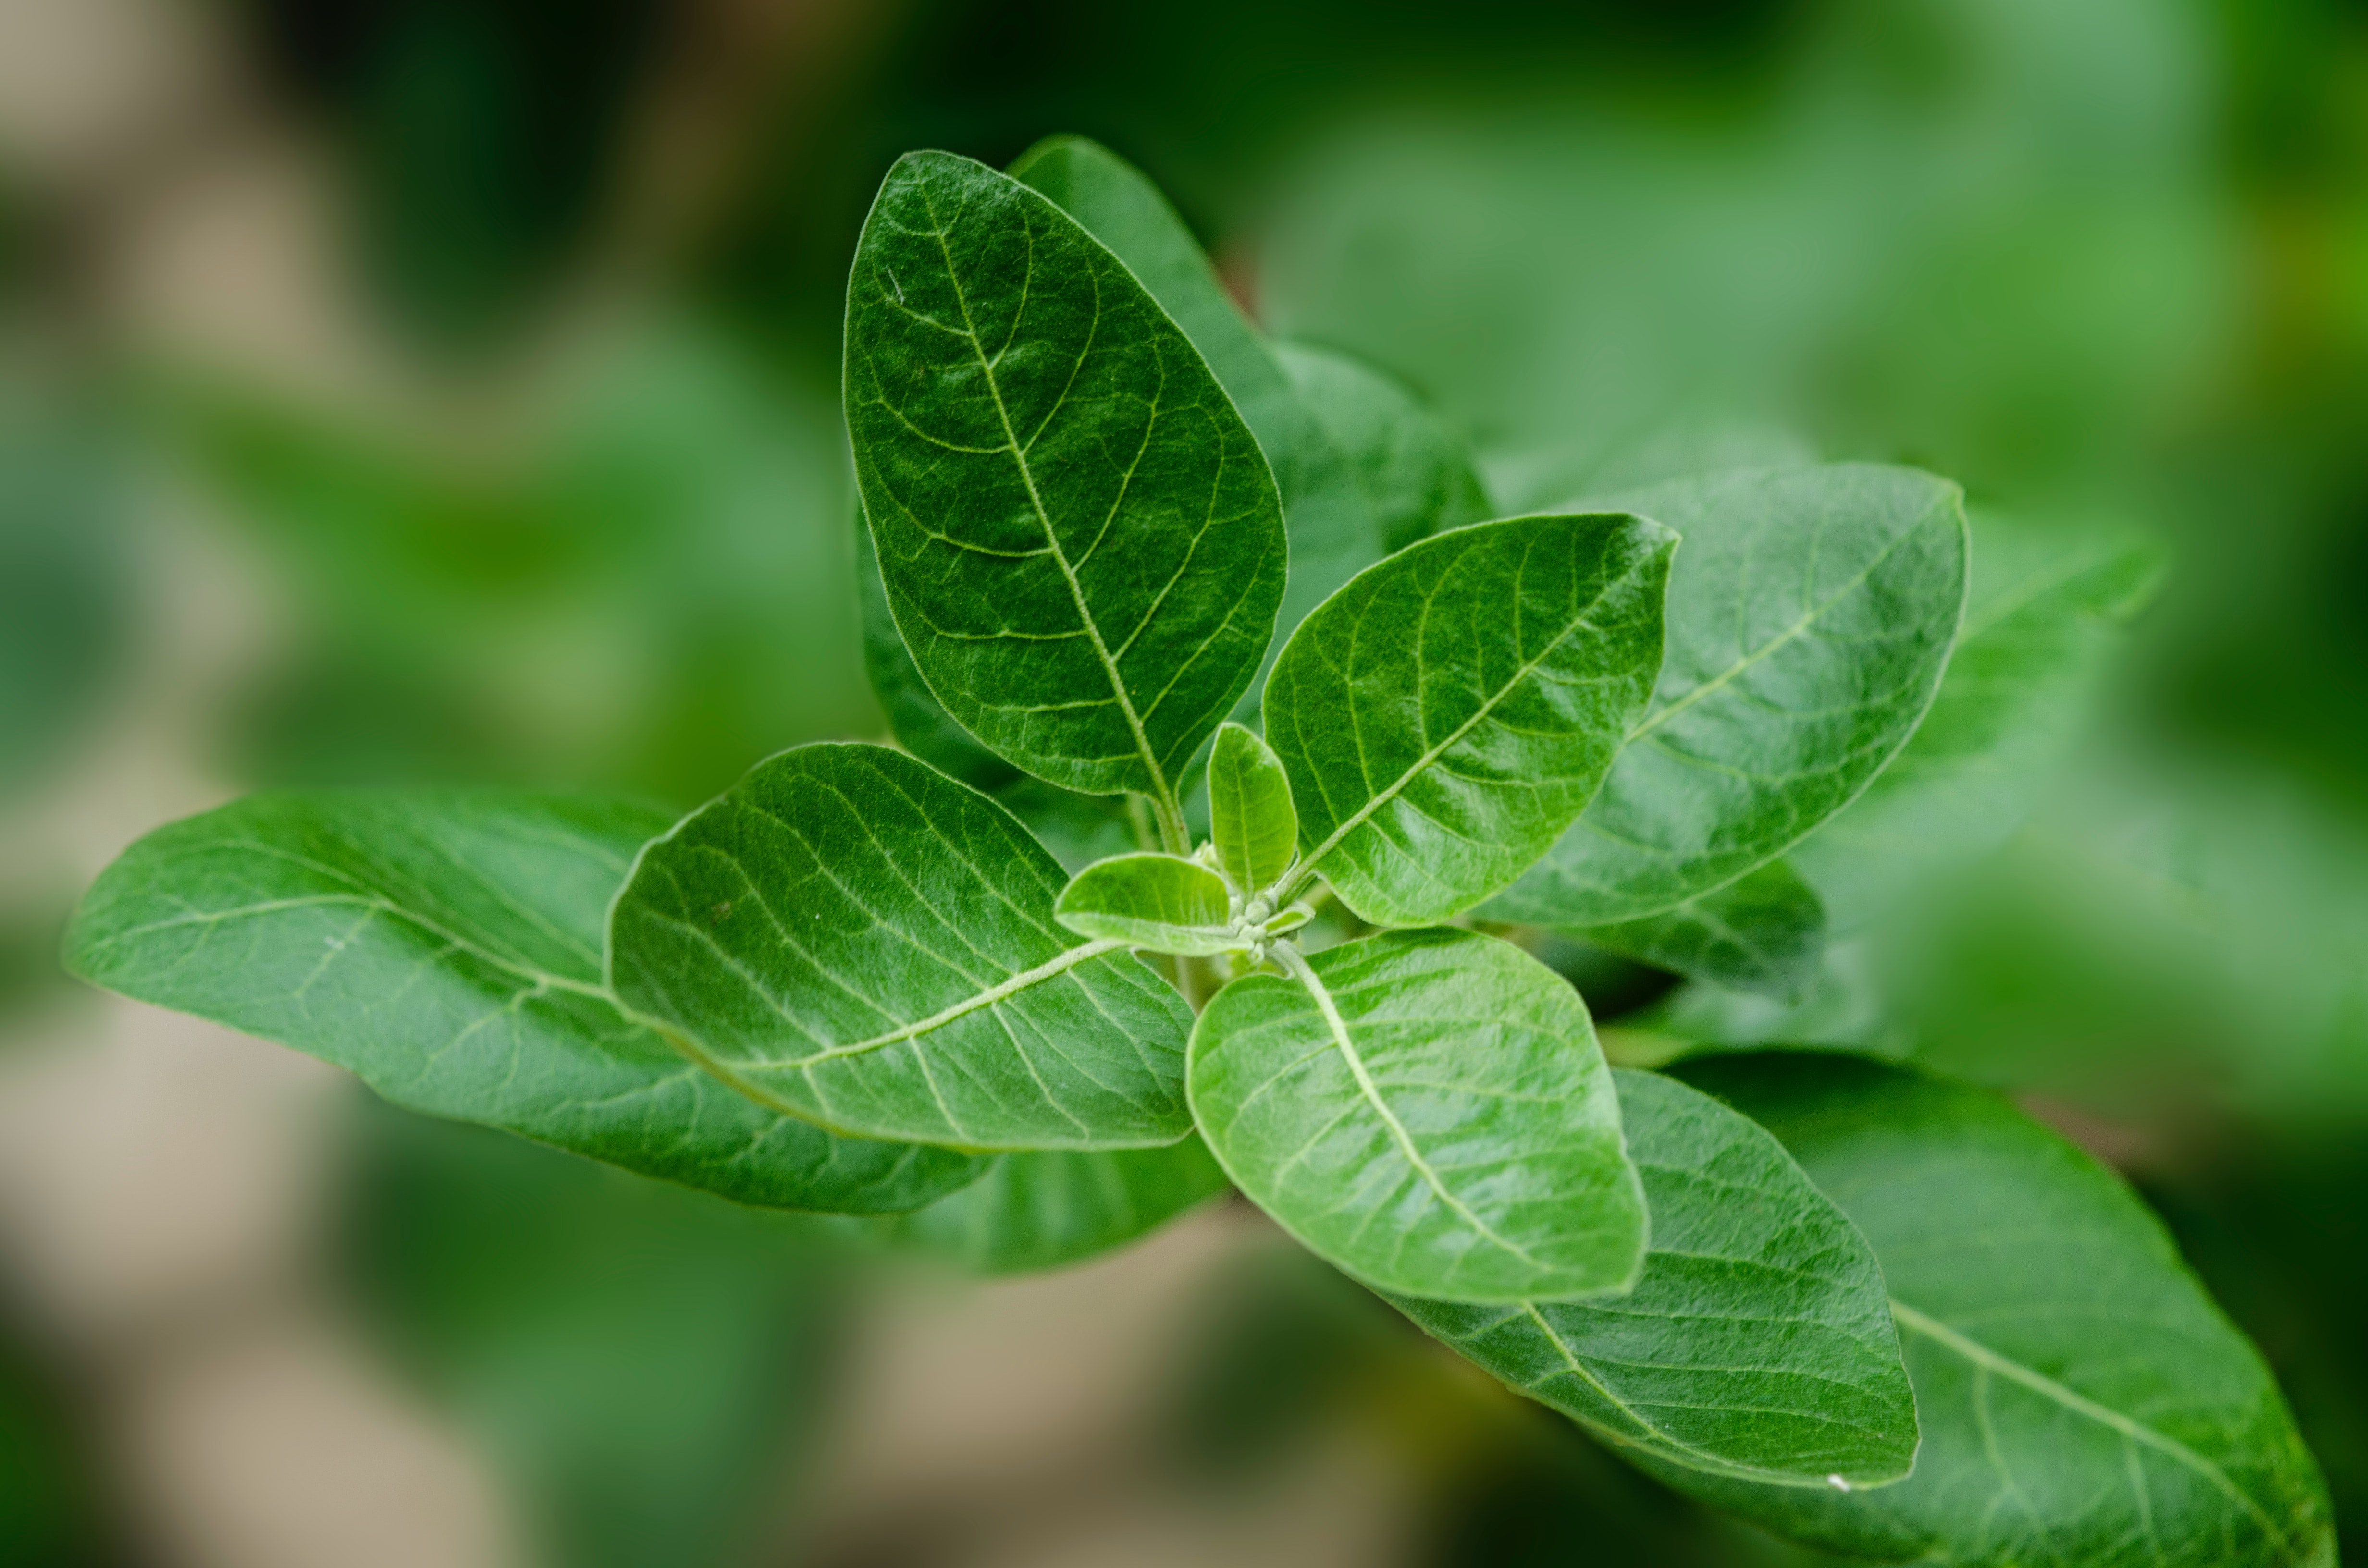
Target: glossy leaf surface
1810,615
1079,537
1764,932
1419,477
860,940
1758,1343
1431,1114
1252,820
1446,715
1165,902
445,948
2082,1400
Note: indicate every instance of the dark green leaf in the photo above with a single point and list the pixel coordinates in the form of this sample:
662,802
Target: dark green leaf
1764,932
1419,477
2082,1400
1757,1344
1165,902
1428,1111
445,947
1252,820
858,939
915,717
1079,537
1446,715
1810,614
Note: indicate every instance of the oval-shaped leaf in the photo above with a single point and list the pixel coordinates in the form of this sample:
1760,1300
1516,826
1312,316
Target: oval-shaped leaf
1419,477
1428,1111
1764,932
1757,1342
1445,716
2082,1399
855,938
1810,615
1165,902
1079,536
444,946
1252,820
1049,1208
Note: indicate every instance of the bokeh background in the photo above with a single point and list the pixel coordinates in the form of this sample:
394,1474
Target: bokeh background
417,390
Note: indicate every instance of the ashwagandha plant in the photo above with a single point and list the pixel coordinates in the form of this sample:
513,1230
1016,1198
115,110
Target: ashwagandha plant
1328,749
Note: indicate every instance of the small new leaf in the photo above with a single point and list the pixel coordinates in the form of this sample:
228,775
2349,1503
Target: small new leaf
1252,820
1164,902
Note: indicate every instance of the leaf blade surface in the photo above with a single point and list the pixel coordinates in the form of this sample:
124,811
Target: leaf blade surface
1165,902
1764,933
1252,820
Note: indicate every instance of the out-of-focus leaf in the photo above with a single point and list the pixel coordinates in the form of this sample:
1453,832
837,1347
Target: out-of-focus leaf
1169,903
445,948
1446,715
1843,1007
2082,1400
1419,477
1758,1343
1428,1111
852,937
1764,933
62,588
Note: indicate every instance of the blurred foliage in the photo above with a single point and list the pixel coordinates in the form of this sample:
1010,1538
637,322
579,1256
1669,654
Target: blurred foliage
64,613
52,1502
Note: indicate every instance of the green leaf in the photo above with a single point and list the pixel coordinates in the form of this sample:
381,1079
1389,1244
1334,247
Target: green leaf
1764,933
1810,614
1079,536
1046,1208
445,948
1419,477
1757,1342
855,938
1252,820
1335,531
2046,617
2082,1399
1165,902
915,717
1445,716
1428,1111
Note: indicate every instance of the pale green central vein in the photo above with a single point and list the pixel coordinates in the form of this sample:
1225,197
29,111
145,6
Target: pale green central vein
1289,956
1059,964
1982,1356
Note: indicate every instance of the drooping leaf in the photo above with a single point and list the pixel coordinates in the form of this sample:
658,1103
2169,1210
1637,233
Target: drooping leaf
1810,614
1428,1111
855,938
1757,1342
1764,932
1334,527
1048,1208
2041,627
1165,902
1252,820
1419,477
445,948
1079,536
2082,1400
1446,715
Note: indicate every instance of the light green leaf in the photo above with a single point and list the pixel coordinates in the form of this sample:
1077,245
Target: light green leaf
1046,1208
1810,614
1165,902
2082,1400
1252,820
1419,477
855,938
1445,716
1764,932
1079,536
2046,617
1335,531
1757,1344
445,948
1428,1111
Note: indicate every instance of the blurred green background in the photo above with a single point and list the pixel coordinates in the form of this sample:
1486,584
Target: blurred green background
415,389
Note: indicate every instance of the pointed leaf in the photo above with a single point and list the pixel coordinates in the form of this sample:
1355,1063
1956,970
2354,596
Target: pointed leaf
2082,1400
1251,818
855,938
1079,537
1419,477
1165,902
1428,1111
1810,615
1764,933
1445,716
444,946
1758,1343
